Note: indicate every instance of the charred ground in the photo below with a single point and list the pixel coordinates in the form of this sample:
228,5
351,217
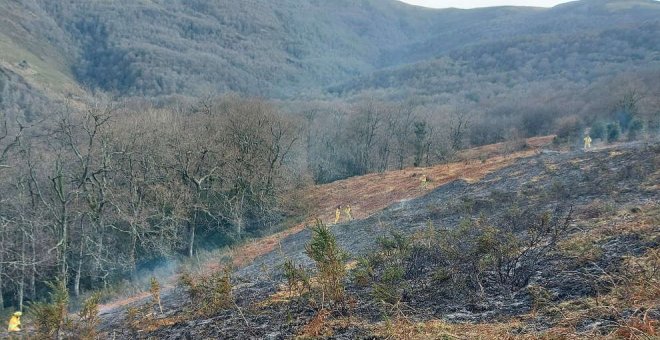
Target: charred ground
603,204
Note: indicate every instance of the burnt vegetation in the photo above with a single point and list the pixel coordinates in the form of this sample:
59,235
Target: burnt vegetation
147,137
507,263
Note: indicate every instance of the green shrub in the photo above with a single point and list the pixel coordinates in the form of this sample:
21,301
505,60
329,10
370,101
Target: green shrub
220,297
598,131
89,317
396,244
364,272
208,294
51,318
387,293
154,289
393,274
635,129
329,259
613,132
297,278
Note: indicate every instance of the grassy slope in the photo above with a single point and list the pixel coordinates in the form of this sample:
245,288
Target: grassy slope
34,64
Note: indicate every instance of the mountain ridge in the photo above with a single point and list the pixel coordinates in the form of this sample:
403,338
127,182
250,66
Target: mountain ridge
279,50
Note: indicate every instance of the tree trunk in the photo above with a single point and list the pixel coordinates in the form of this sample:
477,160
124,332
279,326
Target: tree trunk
133,254
33,271
64,242
2,299
21,284
191,245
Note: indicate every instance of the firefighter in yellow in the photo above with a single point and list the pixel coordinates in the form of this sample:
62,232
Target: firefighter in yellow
424,181
347,210
587,142
15,322
337,214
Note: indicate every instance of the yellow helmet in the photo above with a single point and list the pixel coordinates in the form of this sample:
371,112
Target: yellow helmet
18,313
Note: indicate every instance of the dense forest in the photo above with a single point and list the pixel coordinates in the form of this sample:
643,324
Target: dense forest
131,131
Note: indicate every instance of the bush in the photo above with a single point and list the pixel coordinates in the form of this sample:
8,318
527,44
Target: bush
364,272
636,127
297,278
219,286
613,132
394,252
396,244
208,293
386,293
154,289
190,285
89,317
329,259
568,128
598,131
51,318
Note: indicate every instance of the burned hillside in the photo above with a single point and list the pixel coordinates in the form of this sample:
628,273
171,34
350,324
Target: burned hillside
590,271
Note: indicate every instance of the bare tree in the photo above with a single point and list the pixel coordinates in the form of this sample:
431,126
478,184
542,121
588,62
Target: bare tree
459,123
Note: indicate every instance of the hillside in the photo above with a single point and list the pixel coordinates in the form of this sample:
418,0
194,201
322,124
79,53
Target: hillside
293,49
609,197
177,160
555,50
254,47
565,19
34,65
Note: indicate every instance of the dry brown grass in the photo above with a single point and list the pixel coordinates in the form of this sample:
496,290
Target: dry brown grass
635,286
317,326
138,320
156,324
636,289
404,328
123,302
373,192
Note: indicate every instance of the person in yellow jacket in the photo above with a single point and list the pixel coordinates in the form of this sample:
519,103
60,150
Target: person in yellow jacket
347,210
587,142
337,214
15,322
424,181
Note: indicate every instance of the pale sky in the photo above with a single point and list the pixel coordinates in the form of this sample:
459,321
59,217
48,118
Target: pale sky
483,3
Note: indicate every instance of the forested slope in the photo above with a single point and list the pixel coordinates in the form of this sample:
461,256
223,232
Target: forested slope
289,48
559,50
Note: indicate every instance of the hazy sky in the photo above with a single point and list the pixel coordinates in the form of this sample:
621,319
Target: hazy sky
483,3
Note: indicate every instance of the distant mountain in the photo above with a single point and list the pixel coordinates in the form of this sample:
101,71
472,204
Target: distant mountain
457,28
479,71
293,48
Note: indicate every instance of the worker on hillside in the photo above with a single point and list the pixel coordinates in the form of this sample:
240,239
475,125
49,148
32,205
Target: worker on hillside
424,181
587,142
15,322
347,210
337,214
